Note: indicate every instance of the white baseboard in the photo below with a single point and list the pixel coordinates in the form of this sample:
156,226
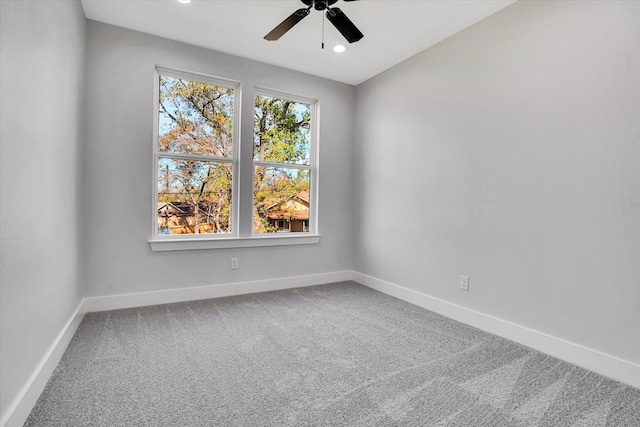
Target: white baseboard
21,407
593,360
114,302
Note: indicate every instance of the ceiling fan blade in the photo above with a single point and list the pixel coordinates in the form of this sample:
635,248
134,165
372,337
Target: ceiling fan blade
344,25
287,24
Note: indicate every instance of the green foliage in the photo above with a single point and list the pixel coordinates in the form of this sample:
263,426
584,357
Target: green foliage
281,131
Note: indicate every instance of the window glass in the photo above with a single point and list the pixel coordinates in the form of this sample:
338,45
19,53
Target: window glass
282,151
194,157
281,200
193,197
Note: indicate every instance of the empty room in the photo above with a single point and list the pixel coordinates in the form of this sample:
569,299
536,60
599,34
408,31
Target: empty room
320,213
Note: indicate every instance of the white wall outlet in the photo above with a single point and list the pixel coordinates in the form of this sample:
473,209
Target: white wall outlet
234,263
464,283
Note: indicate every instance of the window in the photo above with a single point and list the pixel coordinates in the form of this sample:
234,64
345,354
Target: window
197,163
282,161
195,155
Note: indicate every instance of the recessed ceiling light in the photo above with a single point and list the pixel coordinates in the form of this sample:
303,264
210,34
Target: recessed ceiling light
184,1
339,48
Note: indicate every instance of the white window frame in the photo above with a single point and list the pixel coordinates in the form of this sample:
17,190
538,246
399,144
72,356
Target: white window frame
235,239
313,156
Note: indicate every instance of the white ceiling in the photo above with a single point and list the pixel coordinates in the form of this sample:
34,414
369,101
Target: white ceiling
394,30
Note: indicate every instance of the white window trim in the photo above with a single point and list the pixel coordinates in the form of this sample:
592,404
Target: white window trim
162,243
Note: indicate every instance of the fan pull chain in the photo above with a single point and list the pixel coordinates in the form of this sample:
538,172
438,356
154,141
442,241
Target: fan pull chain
323,19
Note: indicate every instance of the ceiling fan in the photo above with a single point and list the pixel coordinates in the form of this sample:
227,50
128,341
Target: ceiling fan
334,15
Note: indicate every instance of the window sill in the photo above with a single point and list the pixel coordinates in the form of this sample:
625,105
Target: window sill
190,244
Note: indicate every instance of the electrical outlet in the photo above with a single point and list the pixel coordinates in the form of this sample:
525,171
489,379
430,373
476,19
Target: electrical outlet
464,283
234,263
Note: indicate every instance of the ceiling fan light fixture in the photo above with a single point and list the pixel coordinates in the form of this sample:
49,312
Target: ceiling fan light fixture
339,48
184,1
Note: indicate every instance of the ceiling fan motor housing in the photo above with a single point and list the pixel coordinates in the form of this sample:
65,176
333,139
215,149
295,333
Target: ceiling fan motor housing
319,4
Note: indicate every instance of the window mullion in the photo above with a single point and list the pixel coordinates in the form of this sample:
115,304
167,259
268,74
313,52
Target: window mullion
245,166
198,157
281,165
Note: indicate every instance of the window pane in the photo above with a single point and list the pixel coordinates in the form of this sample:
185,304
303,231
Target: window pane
193,197
281,200
194,118
281,131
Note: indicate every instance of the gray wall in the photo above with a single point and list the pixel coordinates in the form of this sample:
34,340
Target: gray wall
42,47
511,153
119,178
